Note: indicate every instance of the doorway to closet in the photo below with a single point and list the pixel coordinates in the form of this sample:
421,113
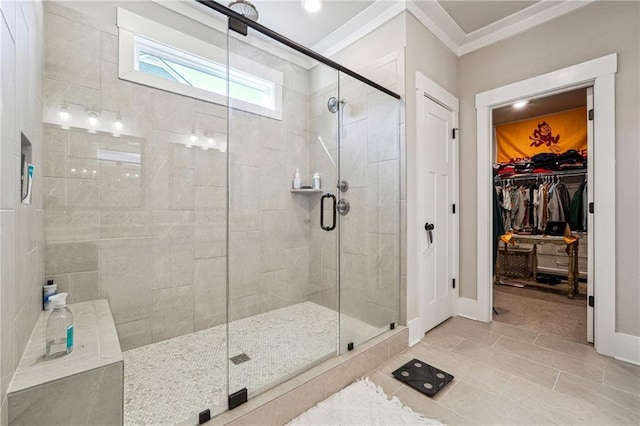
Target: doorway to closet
540,189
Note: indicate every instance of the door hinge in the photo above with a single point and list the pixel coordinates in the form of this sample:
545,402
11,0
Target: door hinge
591,208
591,115
454,282
453,209
591,300
454,132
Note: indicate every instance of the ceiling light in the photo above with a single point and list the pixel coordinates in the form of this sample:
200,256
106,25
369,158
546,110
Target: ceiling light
312,6
194,137
520,104
210,140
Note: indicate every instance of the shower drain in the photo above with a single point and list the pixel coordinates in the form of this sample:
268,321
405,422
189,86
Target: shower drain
239,359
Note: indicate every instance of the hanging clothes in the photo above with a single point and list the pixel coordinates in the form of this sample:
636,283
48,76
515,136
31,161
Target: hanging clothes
498,224
576,209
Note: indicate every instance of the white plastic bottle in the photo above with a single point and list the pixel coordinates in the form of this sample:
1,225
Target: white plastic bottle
48,291
315,181
297,181
59,327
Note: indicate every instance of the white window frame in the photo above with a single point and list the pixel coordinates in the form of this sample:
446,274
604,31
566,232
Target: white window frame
134,30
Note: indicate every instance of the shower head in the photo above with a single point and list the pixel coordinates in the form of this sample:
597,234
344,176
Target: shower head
334,105
244,8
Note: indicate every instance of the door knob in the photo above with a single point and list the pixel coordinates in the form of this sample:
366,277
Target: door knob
429,228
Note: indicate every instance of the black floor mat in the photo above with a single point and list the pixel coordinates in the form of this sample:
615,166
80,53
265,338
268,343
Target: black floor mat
422,377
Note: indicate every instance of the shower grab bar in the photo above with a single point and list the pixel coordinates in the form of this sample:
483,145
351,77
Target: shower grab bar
333,208
292,44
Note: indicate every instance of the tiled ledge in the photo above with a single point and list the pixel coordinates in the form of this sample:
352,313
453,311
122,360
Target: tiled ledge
279,405
89,379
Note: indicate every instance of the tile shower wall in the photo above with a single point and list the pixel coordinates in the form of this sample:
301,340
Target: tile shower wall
148,231
21,232
370,162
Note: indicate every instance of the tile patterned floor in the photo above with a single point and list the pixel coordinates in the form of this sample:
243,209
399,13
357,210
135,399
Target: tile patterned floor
509,375
167,382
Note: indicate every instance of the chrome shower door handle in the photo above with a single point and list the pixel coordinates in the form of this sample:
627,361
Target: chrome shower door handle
333,209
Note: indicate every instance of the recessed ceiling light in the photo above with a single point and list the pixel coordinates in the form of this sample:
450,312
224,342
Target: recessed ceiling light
312,6
520,104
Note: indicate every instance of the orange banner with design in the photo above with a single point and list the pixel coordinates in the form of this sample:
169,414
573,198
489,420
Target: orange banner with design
555,133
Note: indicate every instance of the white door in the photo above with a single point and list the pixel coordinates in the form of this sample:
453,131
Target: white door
589,216
437,255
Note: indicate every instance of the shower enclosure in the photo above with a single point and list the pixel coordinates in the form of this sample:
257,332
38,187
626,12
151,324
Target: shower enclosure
222,278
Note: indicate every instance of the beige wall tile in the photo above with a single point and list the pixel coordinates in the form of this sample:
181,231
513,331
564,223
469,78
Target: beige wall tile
383,139
210,292
81,256
135,333
173,310
103,406
126,277
71,52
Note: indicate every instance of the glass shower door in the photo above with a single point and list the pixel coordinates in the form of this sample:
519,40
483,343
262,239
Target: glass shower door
369,212
281,303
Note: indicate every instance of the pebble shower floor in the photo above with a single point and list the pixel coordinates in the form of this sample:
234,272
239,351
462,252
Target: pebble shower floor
169,381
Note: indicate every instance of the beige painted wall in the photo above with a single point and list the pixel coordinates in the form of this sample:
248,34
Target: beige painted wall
21,255
426,54
590,32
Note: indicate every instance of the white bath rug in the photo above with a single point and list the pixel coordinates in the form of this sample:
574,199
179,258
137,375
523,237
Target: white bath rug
361,403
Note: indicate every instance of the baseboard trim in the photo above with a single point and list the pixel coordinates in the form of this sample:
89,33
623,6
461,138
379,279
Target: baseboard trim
415,335
468,308
628,348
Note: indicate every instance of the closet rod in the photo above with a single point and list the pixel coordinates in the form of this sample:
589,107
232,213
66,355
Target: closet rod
531,176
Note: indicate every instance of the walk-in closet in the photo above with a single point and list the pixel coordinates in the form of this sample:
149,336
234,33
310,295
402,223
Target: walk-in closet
541,182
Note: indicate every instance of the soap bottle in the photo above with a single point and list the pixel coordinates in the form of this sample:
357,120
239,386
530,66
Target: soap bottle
297,181
48,290
59,328
315,181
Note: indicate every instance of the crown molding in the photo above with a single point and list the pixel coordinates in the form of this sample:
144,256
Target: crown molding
379,13
438,21
532,16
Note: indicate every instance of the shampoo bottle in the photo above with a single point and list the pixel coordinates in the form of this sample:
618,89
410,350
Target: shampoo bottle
48,291
297,181
59,327
315,181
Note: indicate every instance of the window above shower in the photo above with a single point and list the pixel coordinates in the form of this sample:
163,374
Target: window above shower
158,56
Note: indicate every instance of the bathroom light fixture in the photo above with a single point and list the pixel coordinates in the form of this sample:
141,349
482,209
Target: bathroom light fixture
520,104
93,121
118,125
210,140
193,139
312,6
65,116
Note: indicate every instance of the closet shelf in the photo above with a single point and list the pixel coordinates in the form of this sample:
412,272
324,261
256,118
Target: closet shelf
523,176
